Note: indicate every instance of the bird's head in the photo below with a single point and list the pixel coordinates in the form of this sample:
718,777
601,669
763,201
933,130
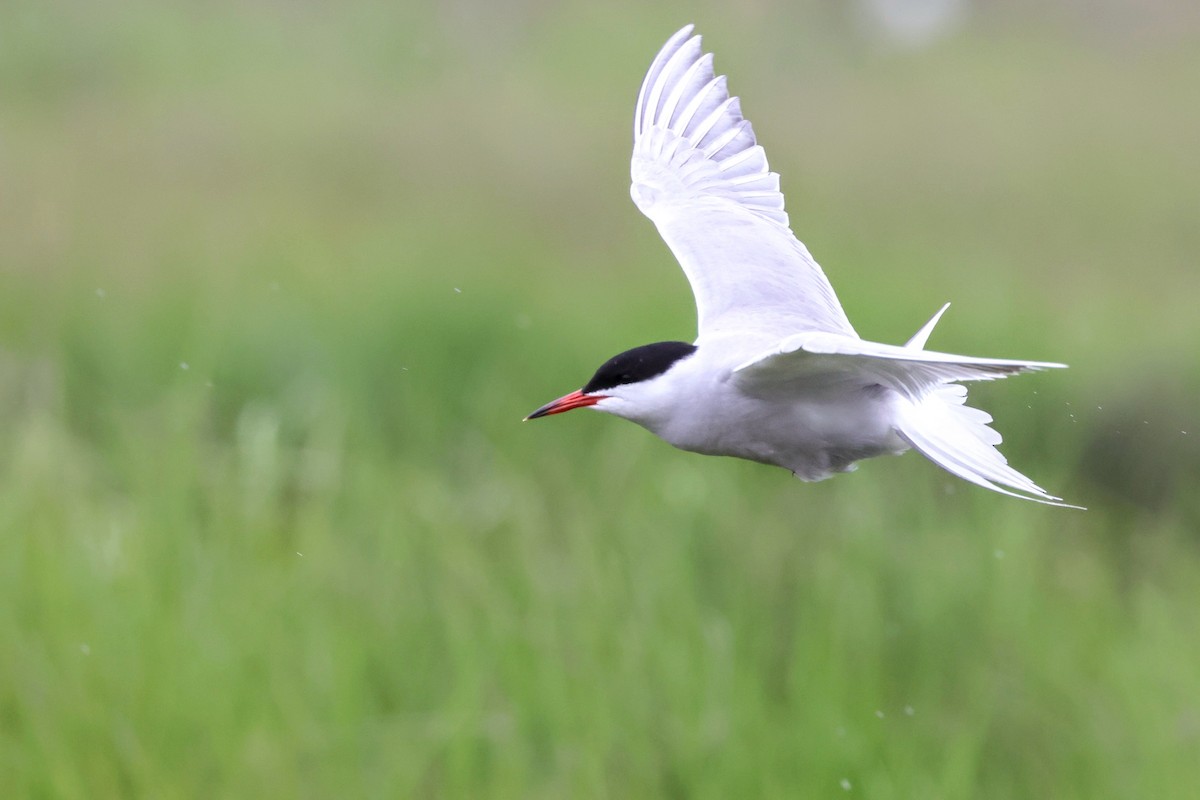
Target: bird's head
629,385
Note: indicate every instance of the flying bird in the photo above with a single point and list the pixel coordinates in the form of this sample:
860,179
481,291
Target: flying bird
777,373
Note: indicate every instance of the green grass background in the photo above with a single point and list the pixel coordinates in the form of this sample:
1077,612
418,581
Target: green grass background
279,281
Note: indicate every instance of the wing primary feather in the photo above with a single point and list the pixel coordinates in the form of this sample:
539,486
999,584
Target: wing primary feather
687,81
654,103
718,144
734,166
688,115
653,73
710,122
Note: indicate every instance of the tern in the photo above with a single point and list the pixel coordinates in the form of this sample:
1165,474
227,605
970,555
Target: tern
777,374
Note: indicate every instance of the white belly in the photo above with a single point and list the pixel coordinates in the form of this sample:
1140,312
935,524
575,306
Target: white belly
815,433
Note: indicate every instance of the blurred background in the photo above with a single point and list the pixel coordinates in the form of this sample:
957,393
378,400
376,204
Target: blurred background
279,281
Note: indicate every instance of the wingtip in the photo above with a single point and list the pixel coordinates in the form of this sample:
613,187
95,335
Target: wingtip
680,35
918,340
1048,500
1045,498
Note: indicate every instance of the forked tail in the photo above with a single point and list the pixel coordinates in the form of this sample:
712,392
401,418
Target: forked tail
956,437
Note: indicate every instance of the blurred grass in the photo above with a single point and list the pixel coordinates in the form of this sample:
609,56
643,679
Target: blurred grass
280,280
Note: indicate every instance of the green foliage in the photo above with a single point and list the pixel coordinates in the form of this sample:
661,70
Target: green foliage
280,282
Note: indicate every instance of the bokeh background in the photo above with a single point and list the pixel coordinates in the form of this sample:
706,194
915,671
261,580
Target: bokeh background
278,281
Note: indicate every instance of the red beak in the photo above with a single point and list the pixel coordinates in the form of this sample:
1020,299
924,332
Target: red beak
575,399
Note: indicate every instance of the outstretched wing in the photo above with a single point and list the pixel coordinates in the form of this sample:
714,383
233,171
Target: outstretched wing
699,174
911,371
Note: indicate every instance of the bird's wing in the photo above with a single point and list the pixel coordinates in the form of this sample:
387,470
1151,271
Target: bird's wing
701,177
908,370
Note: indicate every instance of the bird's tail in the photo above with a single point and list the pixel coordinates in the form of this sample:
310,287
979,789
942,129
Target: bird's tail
956,437
943,428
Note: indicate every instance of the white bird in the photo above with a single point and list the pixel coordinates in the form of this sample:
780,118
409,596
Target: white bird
777,374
